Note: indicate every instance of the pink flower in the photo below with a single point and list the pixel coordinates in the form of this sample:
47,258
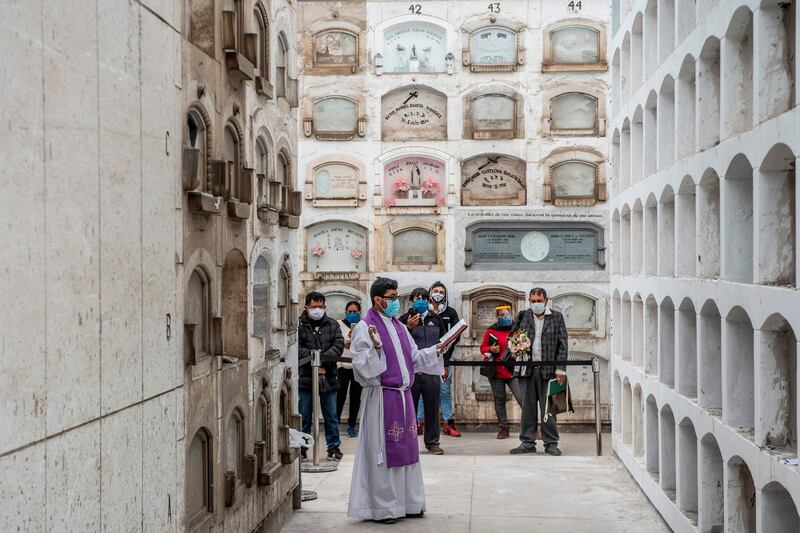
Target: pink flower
356,253
401,184
430,186
388,202
318,252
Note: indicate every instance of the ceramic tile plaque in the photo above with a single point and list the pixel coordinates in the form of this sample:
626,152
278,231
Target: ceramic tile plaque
573,111
521,246
335,48
578,311
335,181
575,44
493,45
493,179
574,179
414,113
493,113
414,181
335,115
336,246
414,47
415,247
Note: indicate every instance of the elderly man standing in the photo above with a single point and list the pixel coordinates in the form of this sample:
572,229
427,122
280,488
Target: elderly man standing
548,334
387,477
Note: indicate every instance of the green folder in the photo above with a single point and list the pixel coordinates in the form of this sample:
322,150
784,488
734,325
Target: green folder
554,388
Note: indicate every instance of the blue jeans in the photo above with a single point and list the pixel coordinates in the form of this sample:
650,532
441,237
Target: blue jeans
445,400
327,403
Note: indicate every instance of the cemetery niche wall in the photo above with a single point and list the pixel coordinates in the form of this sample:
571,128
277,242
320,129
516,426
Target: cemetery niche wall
335,51
574,177
414,113
336,250
493,179
576,111
414,245
335,183
492,45
517,245
493,113
414,181
574,45
414,47
335,118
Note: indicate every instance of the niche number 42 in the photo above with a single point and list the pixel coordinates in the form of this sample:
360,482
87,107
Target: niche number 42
415,9
574,6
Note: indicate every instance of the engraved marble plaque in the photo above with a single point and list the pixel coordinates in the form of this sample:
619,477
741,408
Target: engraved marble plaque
423,179
414,47
414,247
560,245
575,44
493,179
339,246
334,115
493,45
334,48
578,311
574,179
414,113
334,181
493,113
573,111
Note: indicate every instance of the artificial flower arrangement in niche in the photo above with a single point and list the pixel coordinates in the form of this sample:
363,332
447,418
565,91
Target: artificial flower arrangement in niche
318,252
430,186
519,344
401,186
356,253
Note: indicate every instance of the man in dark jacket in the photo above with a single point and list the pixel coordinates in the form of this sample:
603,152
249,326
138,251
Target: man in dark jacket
426,329
449,318
317,331
548,335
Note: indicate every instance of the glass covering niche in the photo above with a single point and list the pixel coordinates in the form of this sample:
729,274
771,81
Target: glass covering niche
579,311
574,179
414,47
494,45
414,247
534,246
335,181
335,48
493,116
336,246
414,181
573,111
335,303
335,115
575,45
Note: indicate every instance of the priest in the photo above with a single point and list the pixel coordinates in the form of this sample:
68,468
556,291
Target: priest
387,477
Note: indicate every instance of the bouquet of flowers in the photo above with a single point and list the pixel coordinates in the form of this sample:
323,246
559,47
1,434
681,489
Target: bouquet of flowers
430,186
519,344
318,252
401,184
356,254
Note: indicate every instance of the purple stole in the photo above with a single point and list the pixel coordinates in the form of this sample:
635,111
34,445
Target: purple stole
400,435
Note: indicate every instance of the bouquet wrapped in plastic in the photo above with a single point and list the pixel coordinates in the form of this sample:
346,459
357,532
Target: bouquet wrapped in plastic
519,345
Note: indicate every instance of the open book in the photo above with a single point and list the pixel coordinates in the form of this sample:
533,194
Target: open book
453,334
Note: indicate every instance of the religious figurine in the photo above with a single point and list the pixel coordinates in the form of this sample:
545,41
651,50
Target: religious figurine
415,181
413,62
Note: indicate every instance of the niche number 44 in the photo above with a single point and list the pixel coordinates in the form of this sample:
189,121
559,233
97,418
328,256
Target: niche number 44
574,6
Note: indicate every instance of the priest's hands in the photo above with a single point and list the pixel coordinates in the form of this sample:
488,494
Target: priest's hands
376,339
441,348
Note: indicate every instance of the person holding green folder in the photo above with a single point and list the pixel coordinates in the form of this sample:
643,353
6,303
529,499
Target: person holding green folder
549,333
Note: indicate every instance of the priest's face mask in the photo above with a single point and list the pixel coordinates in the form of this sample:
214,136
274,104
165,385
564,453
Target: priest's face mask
382,302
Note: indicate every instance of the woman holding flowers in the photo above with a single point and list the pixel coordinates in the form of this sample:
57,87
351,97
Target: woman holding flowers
495,342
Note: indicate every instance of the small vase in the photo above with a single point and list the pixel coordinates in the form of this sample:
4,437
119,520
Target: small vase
402,194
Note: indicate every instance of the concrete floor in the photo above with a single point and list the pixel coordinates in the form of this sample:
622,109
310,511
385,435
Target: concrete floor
478,487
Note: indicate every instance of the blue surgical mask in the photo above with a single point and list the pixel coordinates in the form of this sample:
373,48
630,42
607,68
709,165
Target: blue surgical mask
421,306
504,321
538,308
353,317
392,307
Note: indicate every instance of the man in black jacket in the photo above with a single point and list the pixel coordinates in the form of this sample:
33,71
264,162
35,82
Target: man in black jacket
426,329
548,335
317,331
449,318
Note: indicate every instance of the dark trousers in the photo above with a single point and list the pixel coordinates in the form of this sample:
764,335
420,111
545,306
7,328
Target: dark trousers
327,404
347,383
499,393
534,391
429,387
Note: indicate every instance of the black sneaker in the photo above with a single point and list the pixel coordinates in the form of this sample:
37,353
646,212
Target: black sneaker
523,449
552,449
416,515
335,454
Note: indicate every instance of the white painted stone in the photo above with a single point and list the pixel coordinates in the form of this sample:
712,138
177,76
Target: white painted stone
23,489
121,475
162,487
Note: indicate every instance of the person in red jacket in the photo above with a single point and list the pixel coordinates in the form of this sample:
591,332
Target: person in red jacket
493,346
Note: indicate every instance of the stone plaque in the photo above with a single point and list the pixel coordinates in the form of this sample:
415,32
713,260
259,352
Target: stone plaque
414,247
574,179
336,247
414,47
578,311
414,181
514,246
493,113
335,48
493,179
414,113
335,115
493,45
575,44
335,181
573,111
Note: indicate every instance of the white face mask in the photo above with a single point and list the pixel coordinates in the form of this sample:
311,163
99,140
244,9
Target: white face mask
538,307
316,313
437,297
